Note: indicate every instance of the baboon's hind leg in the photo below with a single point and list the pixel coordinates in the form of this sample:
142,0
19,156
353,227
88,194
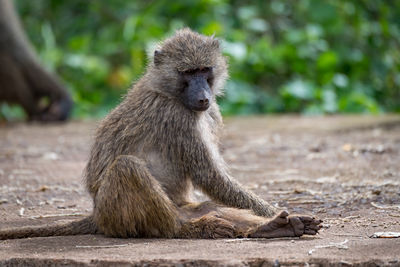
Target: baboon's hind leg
210,225
211,220
131,203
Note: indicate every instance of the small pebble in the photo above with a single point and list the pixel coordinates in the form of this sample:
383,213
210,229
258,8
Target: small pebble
21,212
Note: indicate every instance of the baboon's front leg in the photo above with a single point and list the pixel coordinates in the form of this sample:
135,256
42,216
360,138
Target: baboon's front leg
284,225
131,203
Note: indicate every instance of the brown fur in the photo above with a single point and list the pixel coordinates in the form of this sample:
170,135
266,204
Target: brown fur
176,146
23,80
151,149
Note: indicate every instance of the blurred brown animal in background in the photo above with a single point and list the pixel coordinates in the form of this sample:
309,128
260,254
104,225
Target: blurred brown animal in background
160,142
23,80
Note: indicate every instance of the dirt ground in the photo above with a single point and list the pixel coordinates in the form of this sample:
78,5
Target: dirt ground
345,170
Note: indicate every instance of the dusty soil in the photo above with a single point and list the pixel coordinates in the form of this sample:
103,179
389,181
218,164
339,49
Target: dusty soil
345,170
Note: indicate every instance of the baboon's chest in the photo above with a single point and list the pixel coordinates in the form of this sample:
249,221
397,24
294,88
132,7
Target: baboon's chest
174,183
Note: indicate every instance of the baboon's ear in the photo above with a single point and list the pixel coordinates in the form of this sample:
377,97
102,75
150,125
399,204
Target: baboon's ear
157,57
215,43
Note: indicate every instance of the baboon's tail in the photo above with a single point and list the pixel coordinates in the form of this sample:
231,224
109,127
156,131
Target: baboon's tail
81,227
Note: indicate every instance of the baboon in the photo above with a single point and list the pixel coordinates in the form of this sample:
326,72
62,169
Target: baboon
22,79
161,141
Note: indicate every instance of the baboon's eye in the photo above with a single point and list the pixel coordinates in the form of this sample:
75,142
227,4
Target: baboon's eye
205,69
189,71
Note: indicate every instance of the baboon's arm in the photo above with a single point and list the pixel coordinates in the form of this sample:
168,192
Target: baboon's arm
211,176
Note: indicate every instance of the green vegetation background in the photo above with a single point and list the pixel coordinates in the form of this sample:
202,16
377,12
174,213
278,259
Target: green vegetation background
308,56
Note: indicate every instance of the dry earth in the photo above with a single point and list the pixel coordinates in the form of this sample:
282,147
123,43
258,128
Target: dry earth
345,170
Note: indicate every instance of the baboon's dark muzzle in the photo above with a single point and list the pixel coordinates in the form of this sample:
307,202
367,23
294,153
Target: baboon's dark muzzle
198,94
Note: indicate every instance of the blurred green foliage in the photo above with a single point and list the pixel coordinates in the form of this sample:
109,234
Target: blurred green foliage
308,56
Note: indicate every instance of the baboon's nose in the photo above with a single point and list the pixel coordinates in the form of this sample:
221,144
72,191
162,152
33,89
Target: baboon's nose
204,102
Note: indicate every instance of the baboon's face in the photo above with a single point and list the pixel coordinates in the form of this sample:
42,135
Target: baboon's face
189,66
195,89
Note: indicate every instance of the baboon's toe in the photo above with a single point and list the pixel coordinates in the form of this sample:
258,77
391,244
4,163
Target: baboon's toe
281,218
297,225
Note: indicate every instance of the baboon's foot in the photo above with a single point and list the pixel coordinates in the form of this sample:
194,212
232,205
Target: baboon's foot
284,225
